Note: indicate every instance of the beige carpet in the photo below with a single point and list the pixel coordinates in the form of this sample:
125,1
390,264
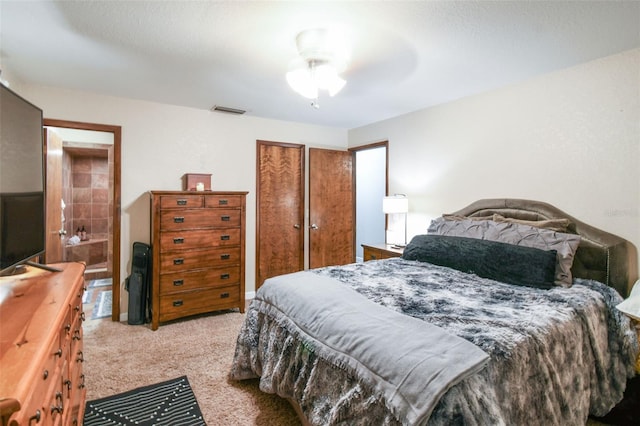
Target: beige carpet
120,357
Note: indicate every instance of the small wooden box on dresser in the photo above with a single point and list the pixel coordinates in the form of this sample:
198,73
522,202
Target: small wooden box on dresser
198,249
41,380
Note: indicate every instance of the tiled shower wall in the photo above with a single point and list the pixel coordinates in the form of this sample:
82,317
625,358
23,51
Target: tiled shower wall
90,196
86,182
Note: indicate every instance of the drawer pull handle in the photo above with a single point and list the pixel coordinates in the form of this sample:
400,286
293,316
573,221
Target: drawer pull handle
178,240
177,303
223,202
181,202
45,374
225,237
178,219
37,416
80,357
58,352
58,408
224,295
225,218
178,261
225,256
178,282
224,276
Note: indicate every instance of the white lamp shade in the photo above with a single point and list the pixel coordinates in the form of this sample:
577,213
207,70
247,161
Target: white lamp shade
326,77
631,305
395,204
307,80
301,81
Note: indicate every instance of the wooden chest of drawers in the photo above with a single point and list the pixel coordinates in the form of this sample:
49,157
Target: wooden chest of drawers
41,354
198,246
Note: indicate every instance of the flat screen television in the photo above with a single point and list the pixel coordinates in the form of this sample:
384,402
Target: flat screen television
22,188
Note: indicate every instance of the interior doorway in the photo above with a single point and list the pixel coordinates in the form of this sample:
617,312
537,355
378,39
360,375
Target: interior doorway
371,186
89,185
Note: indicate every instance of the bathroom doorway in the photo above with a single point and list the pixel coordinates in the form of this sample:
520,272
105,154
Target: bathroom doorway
90,191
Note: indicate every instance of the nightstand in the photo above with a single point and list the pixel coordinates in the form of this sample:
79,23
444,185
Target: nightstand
380,251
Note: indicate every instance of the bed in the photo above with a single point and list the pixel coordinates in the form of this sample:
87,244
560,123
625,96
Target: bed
502,313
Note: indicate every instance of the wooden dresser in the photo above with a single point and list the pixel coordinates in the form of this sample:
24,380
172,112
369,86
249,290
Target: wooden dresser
380,251
41,380
198,249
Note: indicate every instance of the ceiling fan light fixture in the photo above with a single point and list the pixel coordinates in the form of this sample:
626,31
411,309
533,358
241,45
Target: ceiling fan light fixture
318,66
302,82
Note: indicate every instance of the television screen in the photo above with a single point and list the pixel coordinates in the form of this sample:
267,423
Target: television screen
22,202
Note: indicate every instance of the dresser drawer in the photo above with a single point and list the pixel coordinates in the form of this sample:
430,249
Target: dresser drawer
181,201
182,261
383,251
204,278
194,302
206,238
173,220
221,200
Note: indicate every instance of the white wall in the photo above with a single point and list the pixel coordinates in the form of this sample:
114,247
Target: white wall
570,138
160,143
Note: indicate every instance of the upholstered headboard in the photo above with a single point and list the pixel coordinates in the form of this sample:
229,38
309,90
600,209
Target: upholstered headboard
601,256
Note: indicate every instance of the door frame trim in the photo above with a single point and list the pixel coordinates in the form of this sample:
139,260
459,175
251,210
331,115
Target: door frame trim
374,145
117,142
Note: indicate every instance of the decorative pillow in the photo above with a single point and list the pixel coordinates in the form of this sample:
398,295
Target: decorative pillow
558,225
458,217
508,263
518,234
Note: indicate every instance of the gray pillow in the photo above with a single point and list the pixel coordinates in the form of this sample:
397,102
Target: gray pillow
518,234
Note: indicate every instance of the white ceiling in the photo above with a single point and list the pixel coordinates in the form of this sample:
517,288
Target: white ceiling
405,55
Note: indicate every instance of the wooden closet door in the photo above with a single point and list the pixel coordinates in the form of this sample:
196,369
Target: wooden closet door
331,208
279,209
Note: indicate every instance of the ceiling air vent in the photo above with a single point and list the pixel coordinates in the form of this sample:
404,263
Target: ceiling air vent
220,108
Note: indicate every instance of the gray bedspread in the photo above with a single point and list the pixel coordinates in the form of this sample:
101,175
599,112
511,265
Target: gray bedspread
555,355
409,374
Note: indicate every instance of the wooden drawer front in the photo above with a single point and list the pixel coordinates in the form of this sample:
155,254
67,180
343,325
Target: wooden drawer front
372,254
180,201
182,261
223,200
43,389
64,333
194,302
173,220
186,240
205,278
34,408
